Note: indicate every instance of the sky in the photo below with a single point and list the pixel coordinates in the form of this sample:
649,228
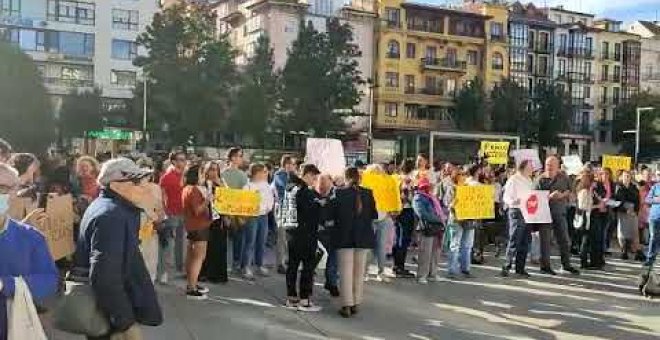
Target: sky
623,10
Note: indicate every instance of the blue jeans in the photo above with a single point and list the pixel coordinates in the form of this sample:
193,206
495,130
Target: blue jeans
519,240
236,246
249,240
381,228
332,268
170,254
460,248
262,236
654,241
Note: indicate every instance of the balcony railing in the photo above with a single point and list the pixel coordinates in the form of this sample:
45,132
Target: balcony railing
444,63
651,76
576,52
66,82
582,128
543,48
604,124
498,38
392,24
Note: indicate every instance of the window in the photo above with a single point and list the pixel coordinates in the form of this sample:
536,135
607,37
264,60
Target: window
587,71
530,63
562,43
561,67
393,17
616,95
72,43
409,82
530,41
558,18
391,109
544,41
77,12
472,57
122,78
496,31
603,114
498,61
410,50
602,136
10,7
393,49
617,52
603,72
605,50
543,65
603,95
589,46
124,49
451,86
431,53
617,73
430,85
392,79
125,19
587,92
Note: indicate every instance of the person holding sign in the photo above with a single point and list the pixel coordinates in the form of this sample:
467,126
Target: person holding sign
515,189
463,231
23,253
559,186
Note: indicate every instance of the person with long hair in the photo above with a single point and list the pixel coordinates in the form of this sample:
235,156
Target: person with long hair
463,233
431,216
405,221
84,184
589,252
355,211
627,225
197,220
214,268
605,178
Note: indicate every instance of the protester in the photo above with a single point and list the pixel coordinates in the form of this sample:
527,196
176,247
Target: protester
644,186
594,236
432,219
255,231
462,234
405,221
214,268
608,219
302,238
559,186
355,211
197,220
519,233
424,170
84,183
627,225
280,181
108,250
383,226
235,178
582,222
27,166
325,191
23,251
653,199
172,228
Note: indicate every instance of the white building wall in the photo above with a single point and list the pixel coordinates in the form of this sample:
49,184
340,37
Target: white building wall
650,66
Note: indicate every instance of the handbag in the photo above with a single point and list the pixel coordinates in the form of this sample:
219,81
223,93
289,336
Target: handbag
22,319
77,311
579,222
430,229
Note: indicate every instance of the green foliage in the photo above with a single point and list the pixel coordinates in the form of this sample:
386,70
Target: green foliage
321,75
625,118
191,72
257,98
470,109
552,113
509,108
80,112
26,118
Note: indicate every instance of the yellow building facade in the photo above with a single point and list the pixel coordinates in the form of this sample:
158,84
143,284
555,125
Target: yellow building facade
425,54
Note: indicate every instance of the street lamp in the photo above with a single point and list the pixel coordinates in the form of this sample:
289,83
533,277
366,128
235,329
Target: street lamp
637,128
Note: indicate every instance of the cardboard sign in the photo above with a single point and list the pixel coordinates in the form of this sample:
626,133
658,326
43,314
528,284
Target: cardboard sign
475,202
58,227
327,154
616,163
236,202
385,189
573,164
527,154
495,152
535,207
19,207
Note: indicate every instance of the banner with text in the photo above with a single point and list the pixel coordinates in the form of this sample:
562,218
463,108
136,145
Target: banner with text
495,152
573,164
58,227
385,189
475,202
527,154
236,202
535,207
327,154
616,163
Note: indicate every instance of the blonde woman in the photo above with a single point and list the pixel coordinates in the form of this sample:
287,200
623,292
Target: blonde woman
84,184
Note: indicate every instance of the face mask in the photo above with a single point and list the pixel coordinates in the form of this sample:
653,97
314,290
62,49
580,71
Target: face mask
4,204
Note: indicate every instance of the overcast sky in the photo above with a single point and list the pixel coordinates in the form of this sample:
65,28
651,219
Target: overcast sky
624,10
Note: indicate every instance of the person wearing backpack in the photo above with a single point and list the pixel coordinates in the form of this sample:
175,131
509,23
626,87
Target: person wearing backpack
431,216
300,216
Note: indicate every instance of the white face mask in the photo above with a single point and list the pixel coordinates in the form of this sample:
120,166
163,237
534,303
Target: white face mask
4,204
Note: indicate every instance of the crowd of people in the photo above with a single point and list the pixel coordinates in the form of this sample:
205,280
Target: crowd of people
144,221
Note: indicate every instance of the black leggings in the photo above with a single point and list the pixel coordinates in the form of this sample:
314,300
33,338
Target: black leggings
305,253
405,224
591,248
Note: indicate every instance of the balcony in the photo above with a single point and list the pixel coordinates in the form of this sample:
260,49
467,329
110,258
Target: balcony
604,124
393,24
651,76
67,82
444,64
576,52
543,48
498,38
580,103
581,128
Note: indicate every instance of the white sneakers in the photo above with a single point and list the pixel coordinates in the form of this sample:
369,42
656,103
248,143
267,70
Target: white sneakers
422,281
263,271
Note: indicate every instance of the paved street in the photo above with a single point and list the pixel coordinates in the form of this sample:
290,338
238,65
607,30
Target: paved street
592,306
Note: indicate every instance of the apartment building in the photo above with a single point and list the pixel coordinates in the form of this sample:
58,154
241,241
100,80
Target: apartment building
423,55
246,21
650,54
80,44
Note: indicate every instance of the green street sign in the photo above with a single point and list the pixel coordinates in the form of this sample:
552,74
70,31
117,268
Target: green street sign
112,134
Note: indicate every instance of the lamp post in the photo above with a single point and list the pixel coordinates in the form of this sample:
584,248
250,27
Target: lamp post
637,130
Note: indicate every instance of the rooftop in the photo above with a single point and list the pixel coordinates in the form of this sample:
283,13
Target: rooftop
444,10
651,26
561,9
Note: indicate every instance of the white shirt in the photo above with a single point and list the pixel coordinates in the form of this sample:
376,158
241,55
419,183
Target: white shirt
267,194
515,188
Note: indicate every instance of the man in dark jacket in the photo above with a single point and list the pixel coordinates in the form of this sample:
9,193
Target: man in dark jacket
302,240
108,248
280,181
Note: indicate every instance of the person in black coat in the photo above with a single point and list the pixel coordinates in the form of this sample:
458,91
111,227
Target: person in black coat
354,213
627,223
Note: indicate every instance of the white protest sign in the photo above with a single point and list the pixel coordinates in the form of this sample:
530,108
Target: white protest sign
535,207
573,164
327,154
527,154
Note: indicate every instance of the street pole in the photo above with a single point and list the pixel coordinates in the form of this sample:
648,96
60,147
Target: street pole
144,109
370,131
637,130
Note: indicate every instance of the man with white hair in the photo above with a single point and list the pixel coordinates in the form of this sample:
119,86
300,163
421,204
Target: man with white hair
23,253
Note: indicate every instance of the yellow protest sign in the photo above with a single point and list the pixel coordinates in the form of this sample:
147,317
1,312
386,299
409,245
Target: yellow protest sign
475,202
236,202
385,189
616,163
495,152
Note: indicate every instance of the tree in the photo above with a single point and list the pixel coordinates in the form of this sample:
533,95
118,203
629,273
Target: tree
470,108
26,118
321,75
625,118
552,113
190,71
509,107
257,98
80,112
